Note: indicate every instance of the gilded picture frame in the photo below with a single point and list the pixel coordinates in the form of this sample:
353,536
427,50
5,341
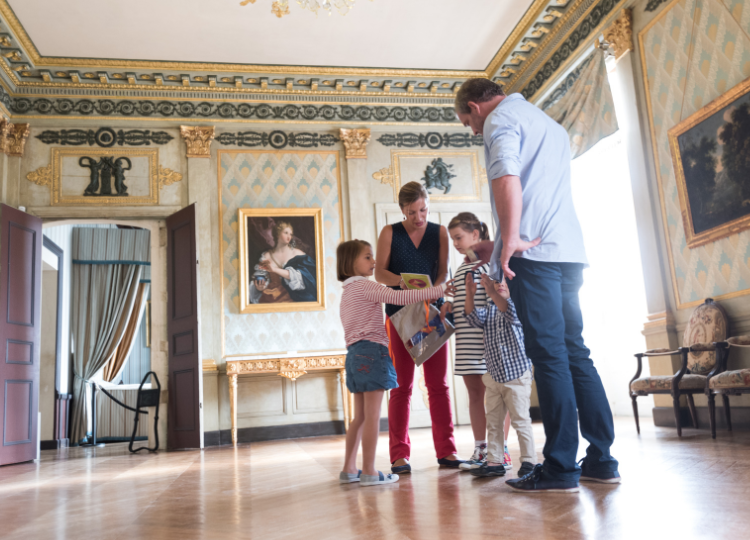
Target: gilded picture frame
709,159
269,284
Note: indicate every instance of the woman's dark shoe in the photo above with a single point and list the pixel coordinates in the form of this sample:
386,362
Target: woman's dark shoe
450,463
486,471
401,469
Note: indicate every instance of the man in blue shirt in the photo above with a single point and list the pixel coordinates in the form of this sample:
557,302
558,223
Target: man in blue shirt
540,251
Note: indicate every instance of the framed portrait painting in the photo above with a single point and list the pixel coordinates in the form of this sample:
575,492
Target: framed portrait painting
711,157
281,260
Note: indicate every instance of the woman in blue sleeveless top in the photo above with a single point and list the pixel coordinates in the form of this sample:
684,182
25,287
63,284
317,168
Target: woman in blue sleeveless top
415,246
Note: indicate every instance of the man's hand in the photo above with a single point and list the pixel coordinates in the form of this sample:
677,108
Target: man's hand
511,247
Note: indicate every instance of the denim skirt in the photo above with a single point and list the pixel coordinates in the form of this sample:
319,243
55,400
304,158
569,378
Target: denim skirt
369,367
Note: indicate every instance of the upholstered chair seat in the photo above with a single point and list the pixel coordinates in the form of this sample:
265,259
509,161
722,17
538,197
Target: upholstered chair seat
727,382
649,384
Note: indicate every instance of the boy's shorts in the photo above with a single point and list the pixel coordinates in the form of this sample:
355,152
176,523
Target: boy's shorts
369,367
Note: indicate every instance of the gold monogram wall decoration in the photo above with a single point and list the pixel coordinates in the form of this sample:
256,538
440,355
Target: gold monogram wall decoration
42,176
198,140
167,177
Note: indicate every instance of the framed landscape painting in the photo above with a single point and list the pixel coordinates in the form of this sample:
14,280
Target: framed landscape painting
281,259
711,157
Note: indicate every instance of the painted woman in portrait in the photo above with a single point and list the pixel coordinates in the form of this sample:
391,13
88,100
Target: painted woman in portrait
283,273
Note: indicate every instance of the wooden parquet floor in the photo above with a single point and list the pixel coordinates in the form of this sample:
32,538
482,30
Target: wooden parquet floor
672,489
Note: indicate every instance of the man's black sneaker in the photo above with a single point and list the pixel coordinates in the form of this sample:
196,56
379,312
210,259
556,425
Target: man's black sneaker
534,482
603,477
486,471
526,468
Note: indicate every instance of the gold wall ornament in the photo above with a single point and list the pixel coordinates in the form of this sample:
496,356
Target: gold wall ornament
619,35
384,176
198,140
167,177
483,176
15,141
41,177
355,142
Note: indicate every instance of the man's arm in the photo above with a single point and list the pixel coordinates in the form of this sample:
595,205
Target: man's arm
509,206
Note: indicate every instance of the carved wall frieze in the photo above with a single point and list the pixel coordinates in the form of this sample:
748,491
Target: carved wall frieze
619,35
355,142
581,32
105,137
198,140
431,140
41,177
277,139
126,108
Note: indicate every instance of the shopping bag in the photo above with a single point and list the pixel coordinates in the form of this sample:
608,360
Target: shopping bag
420,329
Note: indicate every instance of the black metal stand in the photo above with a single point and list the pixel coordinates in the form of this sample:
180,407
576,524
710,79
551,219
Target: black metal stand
147,398
93,419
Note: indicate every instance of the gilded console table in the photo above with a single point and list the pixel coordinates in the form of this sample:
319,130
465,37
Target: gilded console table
292,367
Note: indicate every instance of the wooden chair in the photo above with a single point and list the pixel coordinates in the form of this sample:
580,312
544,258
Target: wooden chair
727,383
708,324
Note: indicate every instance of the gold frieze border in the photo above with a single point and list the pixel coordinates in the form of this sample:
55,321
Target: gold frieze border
730,228
221,214
511,42
657,166
57,198
397,155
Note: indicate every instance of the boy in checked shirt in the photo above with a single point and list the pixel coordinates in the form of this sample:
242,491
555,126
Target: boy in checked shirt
508,377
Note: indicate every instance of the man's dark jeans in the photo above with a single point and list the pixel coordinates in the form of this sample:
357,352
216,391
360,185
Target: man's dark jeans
568,385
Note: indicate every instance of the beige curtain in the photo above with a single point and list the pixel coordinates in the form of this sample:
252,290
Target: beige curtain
116,363
583,104
107,269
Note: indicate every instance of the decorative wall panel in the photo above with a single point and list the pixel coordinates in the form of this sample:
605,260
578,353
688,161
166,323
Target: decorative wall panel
283,179
693,52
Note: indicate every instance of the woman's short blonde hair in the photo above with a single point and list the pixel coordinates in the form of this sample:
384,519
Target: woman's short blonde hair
346,254
410,193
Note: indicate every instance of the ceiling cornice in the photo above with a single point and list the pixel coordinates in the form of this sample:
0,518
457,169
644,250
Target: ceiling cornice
27,68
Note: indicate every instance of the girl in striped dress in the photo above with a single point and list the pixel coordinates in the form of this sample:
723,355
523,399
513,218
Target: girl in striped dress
466,230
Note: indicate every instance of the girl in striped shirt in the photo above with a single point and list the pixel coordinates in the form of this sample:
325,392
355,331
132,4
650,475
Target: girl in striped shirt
466,230
369,369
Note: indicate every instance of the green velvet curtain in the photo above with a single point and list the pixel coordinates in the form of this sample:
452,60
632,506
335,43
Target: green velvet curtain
583,104
107,269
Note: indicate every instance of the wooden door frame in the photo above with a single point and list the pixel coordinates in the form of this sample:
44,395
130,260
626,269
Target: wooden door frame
61,410
158,287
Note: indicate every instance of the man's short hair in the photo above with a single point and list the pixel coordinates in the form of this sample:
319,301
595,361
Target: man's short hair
478,91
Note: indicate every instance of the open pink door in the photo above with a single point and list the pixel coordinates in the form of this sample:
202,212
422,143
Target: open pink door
20,319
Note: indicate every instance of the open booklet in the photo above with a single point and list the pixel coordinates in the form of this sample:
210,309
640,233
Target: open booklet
416,281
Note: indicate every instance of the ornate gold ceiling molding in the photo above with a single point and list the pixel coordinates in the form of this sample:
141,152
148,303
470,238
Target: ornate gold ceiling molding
541,13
